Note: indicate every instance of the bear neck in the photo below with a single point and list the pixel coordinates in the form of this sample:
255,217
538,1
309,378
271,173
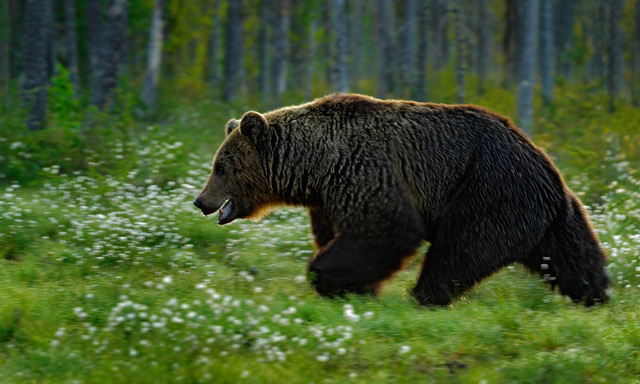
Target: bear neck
288,166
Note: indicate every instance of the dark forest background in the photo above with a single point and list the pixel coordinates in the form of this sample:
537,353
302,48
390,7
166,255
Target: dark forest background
79,76
267,49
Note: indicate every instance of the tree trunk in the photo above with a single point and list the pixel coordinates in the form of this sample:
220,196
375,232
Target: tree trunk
326,43
369,35
564,36
298,39
233,51
635,62
614,52
340,32
597,35
16,37
546,50
71,44
356,43
311,46
263,48
422,54
440,25
280,59
52,56
4,50
385,48
408,47
114,35
214,49
460,66
154,56
484,22
527,63
94,40
34,88
511,47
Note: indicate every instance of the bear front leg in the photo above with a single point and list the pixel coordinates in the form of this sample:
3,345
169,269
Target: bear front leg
356,265
321,227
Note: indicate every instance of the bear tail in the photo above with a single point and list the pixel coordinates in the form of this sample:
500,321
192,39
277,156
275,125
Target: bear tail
569,256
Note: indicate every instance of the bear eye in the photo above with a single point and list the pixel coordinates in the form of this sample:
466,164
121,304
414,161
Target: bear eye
219,169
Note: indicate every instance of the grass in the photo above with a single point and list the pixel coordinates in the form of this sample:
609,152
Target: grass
118,279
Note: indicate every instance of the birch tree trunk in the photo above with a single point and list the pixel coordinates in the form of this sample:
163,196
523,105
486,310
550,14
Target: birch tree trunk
527,63
340,31
422,54
34,87
71,44
233,51
546,50
154,56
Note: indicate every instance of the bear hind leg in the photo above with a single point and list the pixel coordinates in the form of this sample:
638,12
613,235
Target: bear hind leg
447,274
569,256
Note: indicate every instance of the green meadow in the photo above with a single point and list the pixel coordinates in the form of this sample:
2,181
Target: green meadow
109,274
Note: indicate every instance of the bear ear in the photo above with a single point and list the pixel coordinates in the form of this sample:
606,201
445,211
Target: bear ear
231,125
253,125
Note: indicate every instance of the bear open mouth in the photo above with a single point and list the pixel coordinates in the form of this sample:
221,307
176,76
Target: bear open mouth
226,210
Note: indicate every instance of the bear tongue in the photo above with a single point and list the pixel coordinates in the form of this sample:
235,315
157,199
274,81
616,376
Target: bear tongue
225,212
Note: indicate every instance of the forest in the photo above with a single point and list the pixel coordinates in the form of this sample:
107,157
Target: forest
110,114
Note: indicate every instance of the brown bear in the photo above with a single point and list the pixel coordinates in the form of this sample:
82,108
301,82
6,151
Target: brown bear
381,176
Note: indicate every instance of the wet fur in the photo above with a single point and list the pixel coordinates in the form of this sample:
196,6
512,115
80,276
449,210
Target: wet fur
379,177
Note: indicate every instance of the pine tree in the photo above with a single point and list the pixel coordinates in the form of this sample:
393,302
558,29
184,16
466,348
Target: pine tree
71,44
34,87
233,51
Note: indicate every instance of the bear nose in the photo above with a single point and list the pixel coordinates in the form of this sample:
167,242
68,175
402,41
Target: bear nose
197,203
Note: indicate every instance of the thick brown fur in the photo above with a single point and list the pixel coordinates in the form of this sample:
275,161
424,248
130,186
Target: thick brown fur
381,176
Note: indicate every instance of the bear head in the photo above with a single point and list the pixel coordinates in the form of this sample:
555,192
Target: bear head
237,185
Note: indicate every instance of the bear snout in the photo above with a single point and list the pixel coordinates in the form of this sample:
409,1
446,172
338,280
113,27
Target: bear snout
205,204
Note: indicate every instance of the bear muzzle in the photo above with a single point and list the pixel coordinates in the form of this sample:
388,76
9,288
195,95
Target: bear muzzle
204,204
225,209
